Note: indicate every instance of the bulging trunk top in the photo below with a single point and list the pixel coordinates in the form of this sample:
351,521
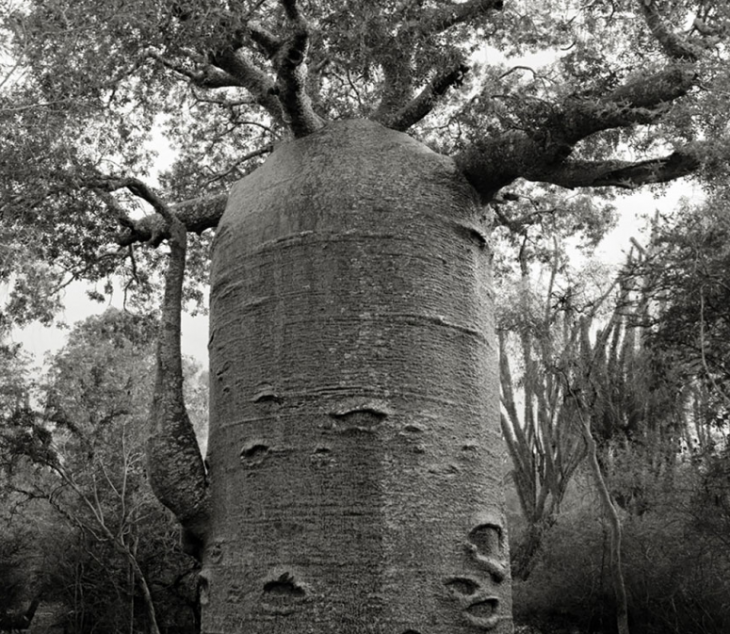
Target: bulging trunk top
349,166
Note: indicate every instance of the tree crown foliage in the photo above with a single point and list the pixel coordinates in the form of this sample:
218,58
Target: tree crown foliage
610,94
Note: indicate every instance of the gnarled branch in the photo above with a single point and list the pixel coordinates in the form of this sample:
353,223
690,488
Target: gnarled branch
672,44
292,76
439,20
197,214
135,186
425,102
175,466
623,174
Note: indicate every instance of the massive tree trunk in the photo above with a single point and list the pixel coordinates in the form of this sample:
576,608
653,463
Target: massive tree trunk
355,452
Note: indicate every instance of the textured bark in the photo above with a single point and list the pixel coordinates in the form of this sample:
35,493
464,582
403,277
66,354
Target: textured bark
354,446
174,465
542,154
291,79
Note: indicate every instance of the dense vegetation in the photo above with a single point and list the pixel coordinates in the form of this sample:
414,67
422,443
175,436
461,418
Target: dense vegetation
615,385
81,529
654,387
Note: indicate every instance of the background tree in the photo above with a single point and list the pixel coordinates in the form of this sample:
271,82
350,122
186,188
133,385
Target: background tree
660,451
23,578
119,566
378,348
539,318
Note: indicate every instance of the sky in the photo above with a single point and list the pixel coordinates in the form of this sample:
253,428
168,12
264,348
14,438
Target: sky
40,340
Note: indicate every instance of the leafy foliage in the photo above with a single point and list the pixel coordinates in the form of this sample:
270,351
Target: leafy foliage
561,95
82,455
95,91
687,269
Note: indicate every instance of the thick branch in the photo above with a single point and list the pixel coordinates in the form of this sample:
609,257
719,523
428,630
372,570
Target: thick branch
652,91
136,187
398,109
174,465
495,162
253,79
441,19
292,77
197,214
230,68
395,60
207,77
673,45
625,174
425,102
269,43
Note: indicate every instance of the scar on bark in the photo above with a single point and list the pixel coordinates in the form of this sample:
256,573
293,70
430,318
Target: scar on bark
175,466
285,587
462,585
485,542
353,417
254,453
283,594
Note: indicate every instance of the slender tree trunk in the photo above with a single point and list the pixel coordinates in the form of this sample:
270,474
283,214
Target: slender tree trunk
525,554
609,508
149,603
354,444
131,580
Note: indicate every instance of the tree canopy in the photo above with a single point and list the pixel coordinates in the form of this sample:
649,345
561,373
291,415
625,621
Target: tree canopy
608,94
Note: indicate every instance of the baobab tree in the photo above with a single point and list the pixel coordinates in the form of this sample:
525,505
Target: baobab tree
353,472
